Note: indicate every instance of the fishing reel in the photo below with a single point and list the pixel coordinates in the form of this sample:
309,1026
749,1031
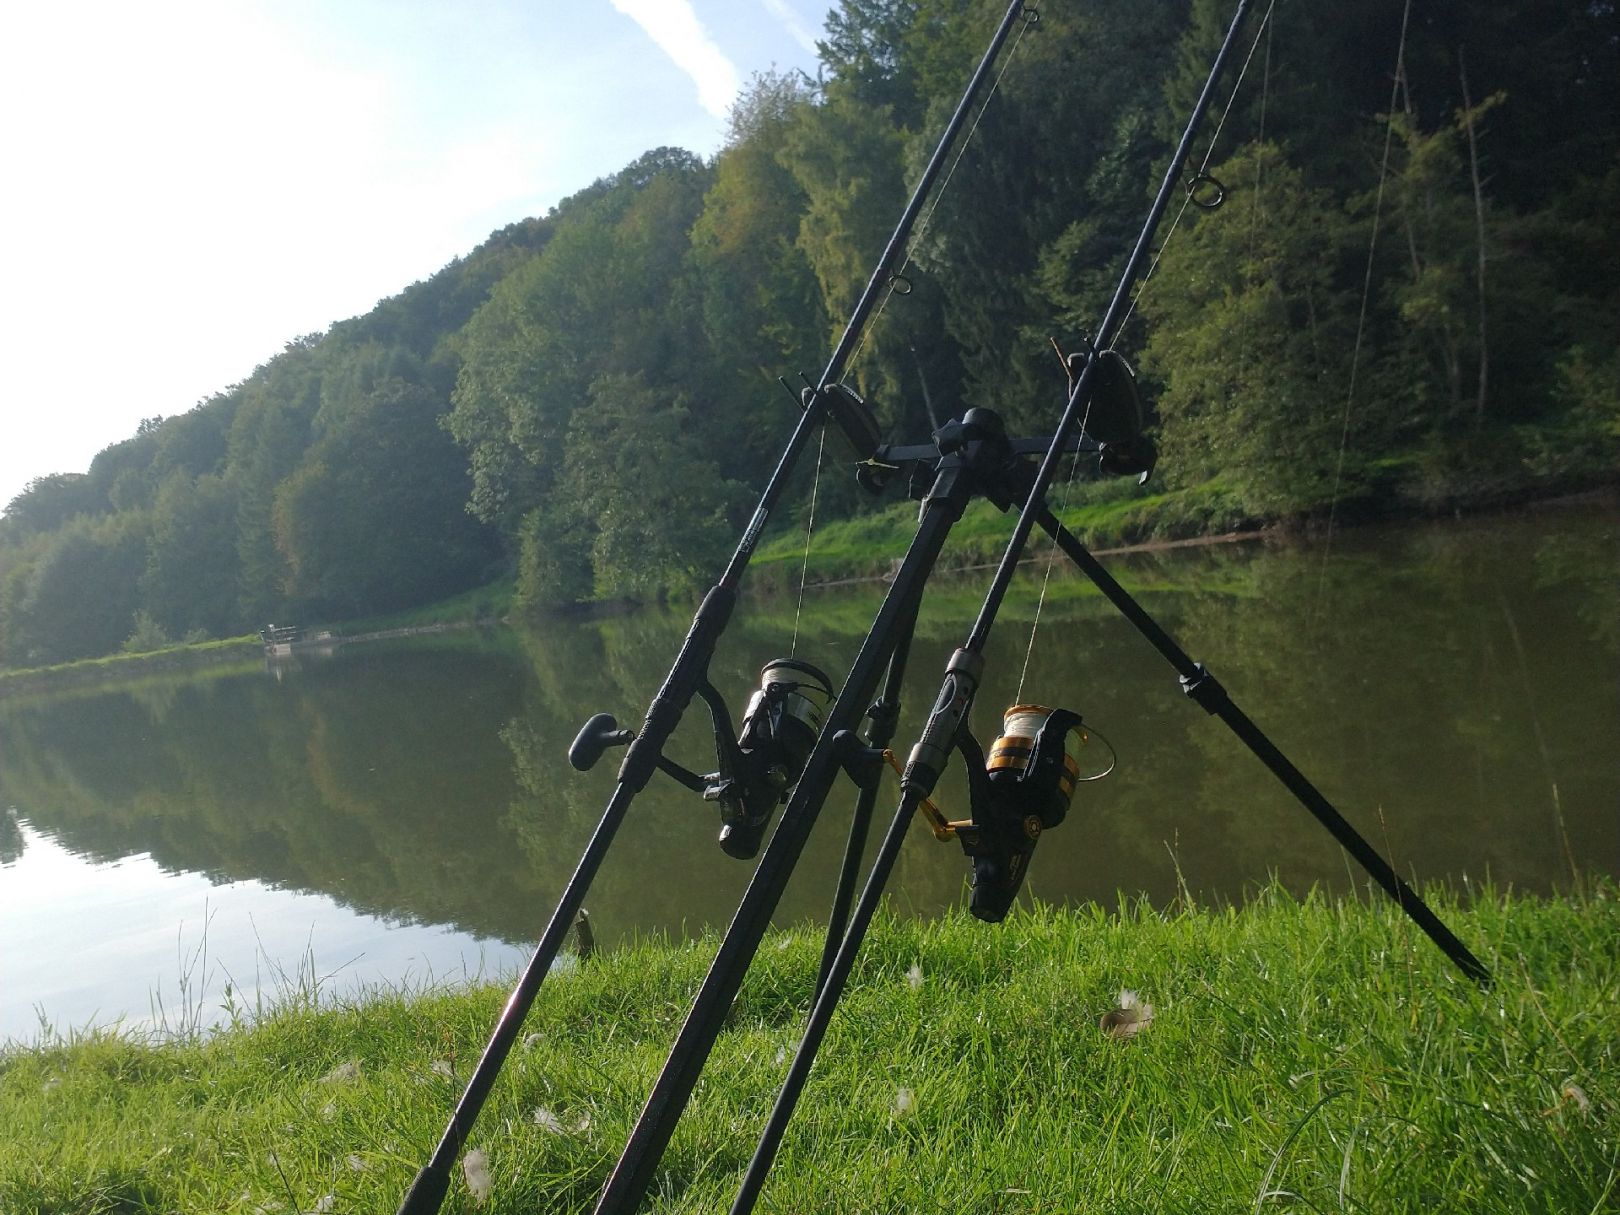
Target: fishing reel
756,766
1021,790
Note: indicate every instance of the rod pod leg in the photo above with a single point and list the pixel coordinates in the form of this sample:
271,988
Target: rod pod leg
1198,683
884,715
827,997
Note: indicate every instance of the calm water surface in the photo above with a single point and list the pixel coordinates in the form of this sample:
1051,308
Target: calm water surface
402,812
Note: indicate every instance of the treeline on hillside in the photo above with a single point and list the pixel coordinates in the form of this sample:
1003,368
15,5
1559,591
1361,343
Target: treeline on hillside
587,399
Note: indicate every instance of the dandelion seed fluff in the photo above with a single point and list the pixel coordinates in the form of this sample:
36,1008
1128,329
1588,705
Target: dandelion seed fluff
343,1073
475,1167
914,976
905,1103
1128,1018
546,1120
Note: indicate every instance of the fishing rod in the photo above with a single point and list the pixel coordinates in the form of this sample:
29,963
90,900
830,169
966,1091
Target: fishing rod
962,678
743,822
1018,791
974,458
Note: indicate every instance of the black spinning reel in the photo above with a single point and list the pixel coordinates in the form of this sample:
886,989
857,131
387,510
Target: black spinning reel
756,766
1022,789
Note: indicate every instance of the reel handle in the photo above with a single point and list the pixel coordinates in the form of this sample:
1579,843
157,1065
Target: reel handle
595,737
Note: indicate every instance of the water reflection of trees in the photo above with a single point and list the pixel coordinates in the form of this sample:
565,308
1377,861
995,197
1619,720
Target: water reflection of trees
1452,690
12,842
378,779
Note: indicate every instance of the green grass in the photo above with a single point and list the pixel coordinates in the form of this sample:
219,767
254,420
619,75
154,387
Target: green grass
483,603
1101,513
224,656
1313,1056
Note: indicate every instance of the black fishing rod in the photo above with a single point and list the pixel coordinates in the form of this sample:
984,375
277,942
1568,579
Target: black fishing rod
962,678
1019,791
688,677
973,458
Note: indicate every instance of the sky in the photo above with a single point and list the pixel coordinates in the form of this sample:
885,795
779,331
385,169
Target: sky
191,184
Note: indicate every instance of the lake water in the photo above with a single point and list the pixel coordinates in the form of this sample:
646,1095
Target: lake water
402,813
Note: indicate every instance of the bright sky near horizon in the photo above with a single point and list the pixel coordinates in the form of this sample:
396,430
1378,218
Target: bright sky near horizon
193,183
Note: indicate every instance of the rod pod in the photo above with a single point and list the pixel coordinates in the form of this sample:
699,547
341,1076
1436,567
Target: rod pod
432,1182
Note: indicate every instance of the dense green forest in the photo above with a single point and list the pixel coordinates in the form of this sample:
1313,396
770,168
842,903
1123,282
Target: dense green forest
1410,299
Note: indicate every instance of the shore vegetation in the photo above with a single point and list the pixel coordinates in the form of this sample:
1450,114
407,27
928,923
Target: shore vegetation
1302,1055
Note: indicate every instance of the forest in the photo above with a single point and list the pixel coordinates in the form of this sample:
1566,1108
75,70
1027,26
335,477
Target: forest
1410,301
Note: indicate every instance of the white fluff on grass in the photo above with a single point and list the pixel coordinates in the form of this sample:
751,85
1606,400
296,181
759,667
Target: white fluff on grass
343,1073
905,1103
546,1120
475,1167
914,976
1127,1018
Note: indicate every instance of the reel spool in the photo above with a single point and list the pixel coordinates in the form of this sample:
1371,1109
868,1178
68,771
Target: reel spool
1010,755
779,730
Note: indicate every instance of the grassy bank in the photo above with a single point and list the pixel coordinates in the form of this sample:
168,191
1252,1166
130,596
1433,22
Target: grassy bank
1104,514
231,655
1312,1057
235,654
1101,513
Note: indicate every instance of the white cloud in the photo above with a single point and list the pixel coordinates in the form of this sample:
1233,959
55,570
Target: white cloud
674,28
797,30
191,184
